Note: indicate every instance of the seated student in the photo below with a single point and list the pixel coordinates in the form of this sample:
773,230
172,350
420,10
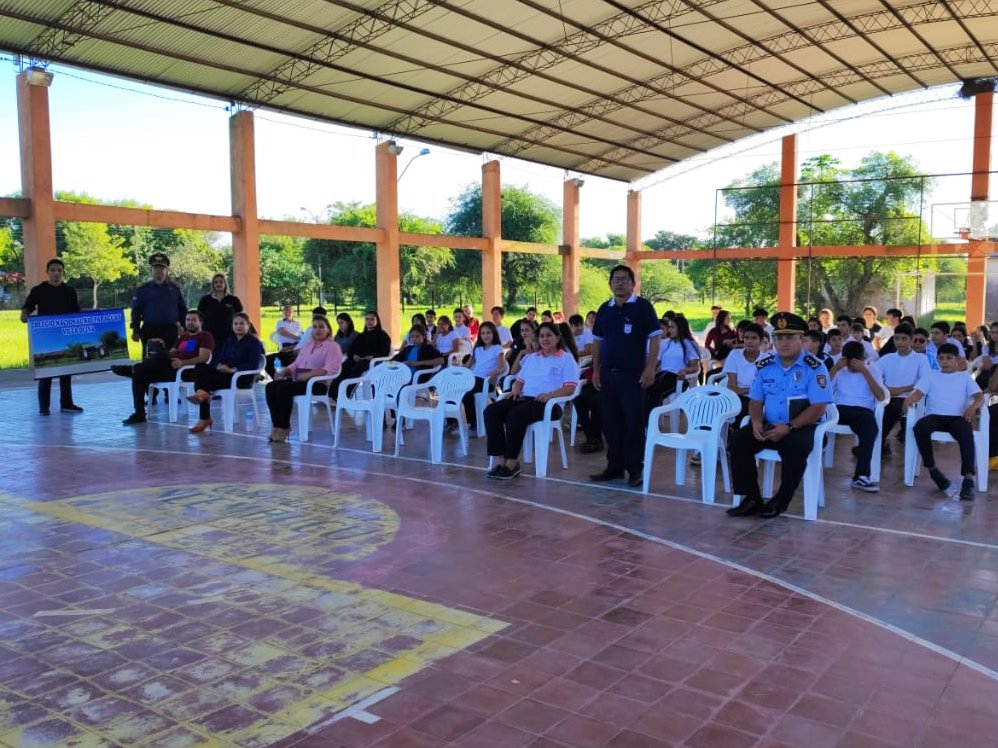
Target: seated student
844,325
550,372
373,342
461,329
761,317
547,316
418,353
857,332
939,333
952,399
993,431
288,332
872,327
505,336
833,345
417,320
723,336
920,342
447,341
241,351
882,341
583,337
857,387
740,366
431,324
469,320
827,319
486,363
814,343
678,357
524,344
902,370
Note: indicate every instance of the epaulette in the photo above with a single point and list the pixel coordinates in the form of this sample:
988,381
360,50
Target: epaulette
811,361
762,362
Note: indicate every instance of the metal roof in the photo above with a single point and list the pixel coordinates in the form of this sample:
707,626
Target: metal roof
616,88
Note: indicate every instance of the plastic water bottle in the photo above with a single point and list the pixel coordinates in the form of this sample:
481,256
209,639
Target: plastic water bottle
250,425
277,367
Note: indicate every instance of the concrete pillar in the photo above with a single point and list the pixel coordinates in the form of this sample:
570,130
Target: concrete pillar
246,240
570,247
492,233
977,259
387,261
786,265
633,236
36,171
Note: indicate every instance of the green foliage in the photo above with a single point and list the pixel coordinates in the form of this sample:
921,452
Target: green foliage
670,240
662,281
284,273
90,252
526,217
193,260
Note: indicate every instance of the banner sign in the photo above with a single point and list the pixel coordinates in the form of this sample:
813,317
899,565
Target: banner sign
77,343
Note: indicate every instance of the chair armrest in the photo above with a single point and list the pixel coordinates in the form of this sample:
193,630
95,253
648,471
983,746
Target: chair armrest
182,369
344,383
311,382
245,373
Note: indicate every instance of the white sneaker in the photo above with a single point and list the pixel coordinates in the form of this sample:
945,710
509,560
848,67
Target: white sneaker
865,484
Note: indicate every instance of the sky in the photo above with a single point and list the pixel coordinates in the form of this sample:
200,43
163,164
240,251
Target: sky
115,138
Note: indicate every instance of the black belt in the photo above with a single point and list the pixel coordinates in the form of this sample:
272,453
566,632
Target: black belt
632,372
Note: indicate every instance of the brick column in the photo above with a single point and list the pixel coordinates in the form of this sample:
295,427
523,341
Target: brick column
570,247
36,171
246,240
492,233
977,258
387,261
786,264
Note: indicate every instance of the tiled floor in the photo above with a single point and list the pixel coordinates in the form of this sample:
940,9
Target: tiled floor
160,589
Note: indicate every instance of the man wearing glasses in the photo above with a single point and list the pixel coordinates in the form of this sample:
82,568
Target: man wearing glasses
625,350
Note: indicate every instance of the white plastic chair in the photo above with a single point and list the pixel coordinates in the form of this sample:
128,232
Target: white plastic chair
539,434
717,379
913,460
840,429
450,385
174,391
373,395
814,477
305,402
573,423
708,412
232,395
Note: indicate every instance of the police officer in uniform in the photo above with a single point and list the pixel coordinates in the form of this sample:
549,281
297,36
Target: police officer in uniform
786,401
158,307
53,297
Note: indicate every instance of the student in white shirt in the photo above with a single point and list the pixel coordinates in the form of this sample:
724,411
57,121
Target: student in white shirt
857,388
939,333
740,365
902,370
583,337
952,399
551,372
833,347
858,333
486,363
505,336
678,358
827,319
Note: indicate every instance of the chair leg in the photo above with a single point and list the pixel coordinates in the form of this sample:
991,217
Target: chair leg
708,472
228,410
173,393
561,444
304,417
812,487
646,470
910,455
377,426
680,467
542,440
528,443
768,471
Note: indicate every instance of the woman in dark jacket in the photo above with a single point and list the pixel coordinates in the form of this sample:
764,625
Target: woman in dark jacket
373,342
218,309
345,334
241,351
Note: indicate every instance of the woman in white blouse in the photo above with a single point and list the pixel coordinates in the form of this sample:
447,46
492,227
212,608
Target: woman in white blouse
486,363
550,372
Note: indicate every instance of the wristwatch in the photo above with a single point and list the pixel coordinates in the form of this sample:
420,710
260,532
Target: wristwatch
792,427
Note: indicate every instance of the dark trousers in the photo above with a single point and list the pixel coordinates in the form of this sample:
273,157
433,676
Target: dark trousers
793,449
152,370
167,333
893,415
506,423
993,431
209,379
956,427
45,392
468,401
864,425
664,385
590,409
280,396
623,402
286,356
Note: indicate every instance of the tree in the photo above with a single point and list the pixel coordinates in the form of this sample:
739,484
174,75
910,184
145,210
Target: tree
283,269
526,217
91,253
662,281
193,260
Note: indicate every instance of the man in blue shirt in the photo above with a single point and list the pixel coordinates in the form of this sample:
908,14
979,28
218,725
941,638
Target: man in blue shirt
786,401
625,351
158,307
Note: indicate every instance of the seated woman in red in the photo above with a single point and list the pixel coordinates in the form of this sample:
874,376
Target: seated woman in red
551,372
241,351
321,355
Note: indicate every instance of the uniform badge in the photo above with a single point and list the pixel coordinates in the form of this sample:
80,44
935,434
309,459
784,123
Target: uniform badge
822,381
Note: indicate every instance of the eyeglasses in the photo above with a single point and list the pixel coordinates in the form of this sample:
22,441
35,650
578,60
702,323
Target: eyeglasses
620,279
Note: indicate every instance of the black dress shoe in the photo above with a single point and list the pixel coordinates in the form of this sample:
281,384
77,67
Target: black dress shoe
771,509
71,408
606,475
43,411
634,480
750,505
134,419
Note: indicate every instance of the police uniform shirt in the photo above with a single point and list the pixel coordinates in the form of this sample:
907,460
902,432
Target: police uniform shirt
623,333
804,381
851,388
157,304
49,299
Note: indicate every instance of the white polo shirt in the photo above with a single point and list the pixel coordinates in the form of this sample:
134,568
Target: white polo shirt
904,371
851,388
539,373
485,360
743,370
948,394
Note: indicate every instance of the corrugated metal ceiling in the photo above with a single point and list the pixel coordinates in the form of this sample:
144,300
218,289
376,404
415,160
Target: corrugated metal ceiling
618,88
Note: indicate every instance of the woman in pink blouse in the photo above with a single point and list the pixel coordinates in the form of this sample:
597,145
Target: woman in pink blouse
316,358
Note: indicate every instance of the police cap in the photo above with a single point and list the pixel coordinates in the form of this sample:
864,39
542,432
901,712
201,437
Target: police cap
158,258
785,323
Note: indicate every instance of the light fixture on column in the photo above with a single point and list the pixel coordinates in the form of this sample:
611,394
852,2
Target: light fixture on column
422,152
578,182
38,77
394,148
